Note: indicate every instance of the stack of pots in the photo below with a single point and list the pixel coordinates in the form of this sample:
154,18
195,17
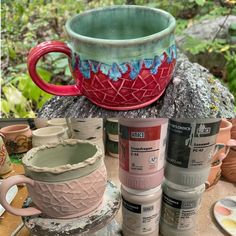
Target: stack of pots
90,129
227,135
141,172
112,139
190,148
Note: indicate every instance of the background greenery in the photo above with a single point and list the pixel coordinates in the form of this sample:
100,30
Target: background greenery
25,23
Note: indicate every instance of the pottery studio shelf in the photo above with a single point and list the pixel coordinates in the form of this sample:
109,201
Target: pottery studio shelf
206,225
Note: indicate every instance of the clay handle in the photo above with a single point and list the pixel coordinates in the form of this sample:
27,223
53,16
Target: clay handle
39,51
6,185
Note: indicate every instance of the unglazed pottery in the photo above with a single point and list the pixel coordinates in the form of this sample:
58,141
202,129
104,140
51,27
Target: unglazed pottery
59,122
65,180
5,163
49,135
121,57
229,165
87,129
224,132
40,123
17,138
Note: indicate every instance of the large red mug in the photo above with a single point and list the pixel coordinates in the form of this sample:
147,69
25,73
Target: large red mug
121,57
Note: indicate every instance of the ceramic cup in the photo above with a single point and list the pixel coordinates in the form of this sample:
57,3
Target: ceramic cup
121,57
112,129
40,123
5,163
60,122
217,166
49,135
17,138
65,180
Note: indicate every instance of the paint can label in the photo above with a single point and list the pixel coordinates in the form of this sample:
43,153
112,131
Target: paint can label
142,149
141,218
191,144
180,214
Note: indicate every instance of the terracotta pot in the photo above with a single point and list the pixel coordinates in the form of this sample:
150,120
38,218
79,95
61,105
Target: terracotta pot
224,133
233,134
229,165
5,163
49,135
17,138
65,180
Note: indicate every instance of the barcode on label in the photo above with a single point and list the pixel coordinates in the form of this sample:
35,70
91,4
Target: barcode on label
149,208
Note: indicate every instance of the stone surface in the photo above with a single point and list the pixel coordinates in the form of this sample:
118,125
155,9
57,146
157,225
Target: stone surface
192,93
207,29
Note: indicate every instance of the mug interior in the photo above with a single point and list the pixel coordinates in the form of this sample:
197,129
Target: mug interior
62,155
49,131
120,22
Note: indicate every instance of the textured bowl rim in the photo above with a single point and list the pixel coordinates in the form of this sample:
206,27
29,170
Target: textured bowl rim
26,160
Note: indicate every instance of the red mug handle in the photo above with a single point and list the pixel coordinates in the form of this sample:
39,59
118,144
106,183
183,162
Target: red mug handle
35,54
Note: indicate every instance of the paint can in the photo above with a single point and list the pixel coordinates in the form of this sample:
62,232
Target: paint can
190,149
141,211
142,152
180,205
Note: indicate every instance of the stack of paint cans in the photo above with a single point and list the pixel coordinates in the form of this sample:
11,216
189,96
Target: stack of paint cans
190,148
112,137
141,170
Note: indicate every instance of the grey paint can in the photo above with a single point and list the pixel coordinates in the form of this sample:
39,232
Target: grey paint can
180,205
191,145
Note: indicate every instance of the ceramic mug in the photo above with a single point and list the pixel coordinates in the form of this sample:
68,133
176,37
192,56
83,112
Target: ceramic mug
219,157
65,180
112,129
17,138
49,135
121,57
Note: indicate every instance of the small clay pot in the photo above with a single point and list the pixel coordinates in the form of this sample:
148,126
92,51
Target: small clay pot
65,180
229,166
49,135
233,134
40,123
224,132
86,129
17,138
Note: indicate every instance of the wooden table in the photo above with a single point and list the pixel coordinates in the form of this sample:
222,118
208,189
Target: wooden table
206,225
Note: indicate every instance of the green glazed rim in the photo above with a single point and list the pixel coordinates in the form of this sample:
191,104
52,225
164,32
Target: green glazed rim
121,50
122,42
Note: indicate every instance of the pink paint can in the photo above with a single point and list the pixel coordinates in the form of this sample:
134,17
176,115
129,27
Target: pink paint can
142,152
